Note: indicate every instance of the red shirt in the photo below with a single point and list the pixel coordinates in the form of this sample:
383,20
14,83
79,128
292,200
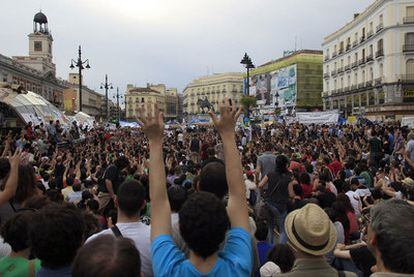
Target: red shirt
307,190
335,167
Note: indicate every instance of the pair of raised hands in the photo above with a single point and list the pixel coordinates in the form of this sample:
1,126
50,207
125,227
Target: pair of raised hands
152,120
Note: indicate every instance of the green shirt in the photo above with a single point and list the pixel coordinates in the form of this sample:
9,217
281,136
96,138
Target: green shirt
17,266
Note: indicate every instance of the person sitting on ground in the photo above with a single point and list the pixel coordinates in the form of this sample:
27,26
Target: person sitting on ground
130,201
56,233
203,219
312,235
280,259
107,256
16,233
390,237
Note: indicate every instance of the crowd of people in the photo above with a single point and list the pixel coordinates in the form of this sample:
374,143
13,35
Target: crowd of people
219,200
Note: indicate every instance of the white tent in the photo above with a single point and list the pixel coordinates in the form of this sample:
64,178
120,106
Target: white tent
84,119
30,106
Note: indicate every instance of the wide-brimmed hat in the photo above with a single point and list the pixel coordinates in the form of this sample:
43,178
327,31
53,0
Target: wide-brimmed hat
310,230
408,181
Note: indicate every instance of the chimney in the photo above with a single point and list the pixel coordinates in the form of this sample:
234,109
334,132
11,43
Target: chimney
356,15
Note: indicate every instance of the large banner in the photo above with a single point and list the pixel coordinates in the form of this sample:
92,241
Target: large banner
330,117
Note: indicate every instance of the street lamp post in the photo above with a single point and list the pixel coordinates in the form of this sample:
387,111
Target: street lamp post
106,86
248,64
117,96
79,64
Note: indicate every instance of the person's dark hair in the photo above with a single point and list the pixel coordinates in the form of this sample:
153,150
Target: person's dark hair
77,187
56,234
177,196
93,205
282,255
107,256
91,224
342,197
36,202
297,189
121,162
304,178
4,168
391,222
203,222
26,185
261,230
131,197
15,231
54,195
281,164
213,179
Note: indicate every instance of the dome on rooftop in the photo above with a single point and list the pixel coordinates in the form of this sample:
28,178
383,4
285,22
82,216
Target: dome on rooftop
40,18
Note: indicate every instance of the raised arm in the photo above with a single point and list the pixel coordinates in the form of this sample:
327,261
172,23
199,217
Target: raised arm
225,125
11,183
153,127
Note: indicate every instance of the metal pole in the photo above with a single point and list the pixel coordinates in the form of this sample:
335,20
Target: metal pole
106,95
117,103
80,78
248,81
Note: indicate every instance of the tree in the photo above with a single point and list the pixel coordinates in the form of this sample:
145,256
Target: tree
248,102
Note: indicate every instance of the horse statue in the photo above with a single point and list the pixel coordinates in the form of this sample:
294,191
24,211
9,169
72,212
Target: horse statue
205,104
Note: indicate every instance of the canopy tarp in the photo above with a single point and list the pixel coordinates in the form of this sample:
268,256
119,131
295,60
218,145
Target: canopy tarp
30,106
84,119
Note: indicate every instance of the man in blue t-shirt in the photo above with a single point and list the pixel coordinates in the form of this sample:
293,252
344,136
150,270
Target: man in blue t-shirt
203,220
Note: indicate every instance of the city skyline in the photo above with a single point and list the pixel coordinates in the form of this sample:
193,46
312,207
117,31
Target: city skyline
173,42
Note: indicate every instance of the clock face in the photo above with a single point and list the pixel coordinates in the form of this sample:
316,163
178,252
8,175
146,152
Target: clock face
38,46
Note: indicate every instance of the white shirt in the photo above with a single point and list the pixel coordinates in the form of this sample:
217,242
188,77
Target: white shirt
180,137
355,201
140,234
363,192
249,186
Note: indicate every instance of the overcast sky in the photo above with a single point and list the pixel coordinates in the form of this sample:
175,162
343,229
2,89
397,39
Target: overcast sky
172,41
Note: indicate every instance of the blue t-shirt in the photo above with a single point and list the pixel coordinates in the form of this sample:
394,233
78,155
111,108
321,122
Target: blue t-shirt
263,248
234,260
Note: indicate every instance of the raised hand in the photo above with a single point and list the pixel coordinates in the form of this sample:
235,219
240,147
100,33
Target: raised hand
152,121
15,159
229,114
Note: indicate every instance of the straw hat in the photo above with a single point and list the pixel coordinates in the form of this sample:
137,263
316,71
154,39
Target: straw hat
310,230
408,181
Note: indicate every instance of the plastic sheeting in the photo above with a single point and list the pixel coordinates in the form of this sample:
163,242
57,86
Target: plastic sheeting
31,107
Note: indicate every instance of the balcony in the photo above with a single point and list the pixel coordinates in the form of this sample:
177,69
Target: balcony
354,87
326,75
354,64
361,61
354,44
378,81
348,47
341,50
370,58
326,58
333,73
361,86
368,84
333,91
346,89
334,54
409,20
325,94
380,27
408,47
340,70
407,78
347,67
339,90
379,53
362,39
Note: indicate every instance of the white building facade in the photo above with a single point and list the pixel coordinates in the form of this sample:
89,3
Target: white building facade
369,63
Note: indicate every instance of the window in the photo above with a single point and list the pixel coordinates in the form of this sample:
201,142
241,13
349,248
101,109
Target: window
409,39
381,70
349,60
409,68
380,44
381,19
371,27
38,46
50,48
363,54
371,50
349,80
363,76
356,57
